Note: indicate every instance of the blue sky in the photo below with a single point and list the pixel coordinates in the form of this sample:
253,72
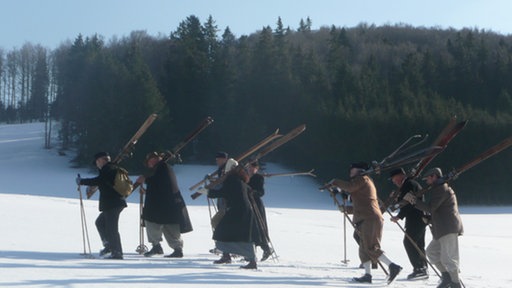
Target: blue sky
50,22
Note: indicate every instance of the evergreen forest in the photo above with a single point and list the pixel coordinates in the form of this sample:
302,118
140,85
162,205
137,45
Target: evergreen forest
361,91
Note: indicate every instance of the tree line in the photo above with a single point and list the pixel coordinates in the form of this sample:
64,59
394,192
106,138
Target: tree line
361,91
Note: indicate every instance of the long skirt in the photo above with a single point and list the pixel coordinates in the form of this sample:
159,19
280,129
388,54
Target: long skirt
245,249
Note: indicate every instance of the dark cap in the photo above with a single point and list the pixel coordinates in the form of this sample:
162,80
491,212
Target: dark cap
396,172
359,165
99,155
149,156
221,154
434,171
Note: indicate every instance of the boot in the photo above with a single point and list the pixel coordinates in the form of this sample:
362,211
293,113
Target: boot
225,259
366,278
251,265
393,272
215,251
418,274
446,280
115,256
178,253
266,253
105,251
156,249
455,285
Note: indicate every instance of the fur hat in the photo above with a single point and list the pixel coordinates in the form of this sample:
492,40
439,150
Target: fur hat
434,171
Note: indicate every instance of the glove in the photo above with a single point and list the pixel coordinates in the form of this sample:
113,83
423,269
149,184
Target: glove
409,197
344,195
202,190
77,180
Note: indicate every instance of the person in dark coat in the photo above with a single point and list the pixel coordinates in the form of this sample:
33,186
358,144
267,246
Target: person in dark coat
234,233
443,250
257,184
110,205
414,224
164,209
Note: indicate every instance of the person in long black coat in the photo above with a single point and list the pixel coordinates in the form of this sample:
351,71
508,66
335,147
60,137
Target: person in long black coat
257,184
165,211
234,233
111,204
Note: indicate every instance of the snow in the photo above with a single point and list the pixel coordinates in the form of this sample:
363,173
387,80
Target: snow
42,238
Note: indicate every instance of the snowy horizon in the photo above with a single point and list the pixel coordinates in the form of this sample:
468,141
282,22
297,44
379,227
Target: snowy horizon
42,239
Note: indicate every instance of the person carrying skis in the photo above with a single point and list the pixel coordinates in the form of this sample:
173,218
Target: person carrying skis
257,182
224,165
111,204
414,224
164,209
443,250
367,219
233,234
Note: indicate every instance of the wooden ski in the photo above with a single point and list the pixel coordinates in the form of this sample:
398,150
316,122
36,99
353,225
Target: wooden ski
456,172
244,155
254,158
445,137
174,152
127,149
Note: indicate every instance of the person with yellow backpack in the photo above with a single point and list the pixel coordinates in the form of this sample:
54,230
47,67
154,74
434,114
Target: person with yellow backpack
111,204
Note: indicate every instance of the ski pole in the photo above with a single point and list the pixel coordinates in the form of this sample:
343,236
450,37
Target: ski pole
416,246
142,248
345,234
262,227
85,232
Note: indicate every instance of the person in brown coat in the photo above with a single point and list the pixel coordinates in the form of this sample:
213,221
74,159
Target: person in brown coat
446,226
367,219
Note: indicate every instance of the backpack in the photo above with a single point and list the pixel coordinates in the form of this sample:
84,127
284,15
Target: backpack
122,183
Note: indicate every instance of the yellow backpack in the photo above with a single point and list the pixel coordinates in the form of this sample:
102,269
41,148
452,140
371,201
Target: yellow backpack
122,183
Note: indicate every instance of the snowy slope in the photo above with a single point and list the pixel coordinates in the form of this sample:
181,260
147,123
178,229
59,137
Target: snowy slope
42,239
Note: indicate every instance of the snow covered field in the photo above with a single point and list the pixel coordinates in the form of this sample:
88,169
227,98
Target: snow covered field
41,233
